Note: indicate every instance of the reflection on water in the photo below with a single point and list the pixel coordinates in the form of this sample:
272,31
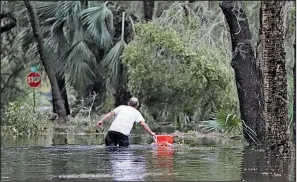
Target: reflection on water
125,165
262,168
85,157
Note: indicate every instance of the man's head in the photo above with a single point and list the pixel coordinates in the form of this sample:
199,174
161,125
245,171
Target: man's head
134,102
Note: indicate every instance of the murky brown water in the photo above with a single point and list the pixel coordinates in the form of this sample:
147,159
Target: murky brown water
86,158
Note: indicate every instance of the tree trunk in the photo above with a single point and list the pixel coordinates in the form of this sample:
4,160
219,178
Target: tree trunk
122,94
294,96
45,62
247,73
148,9
275,80
62,88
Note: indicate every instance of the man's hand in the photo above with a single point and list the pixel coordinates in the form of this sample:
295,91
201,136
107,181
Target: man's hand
153,134
100,123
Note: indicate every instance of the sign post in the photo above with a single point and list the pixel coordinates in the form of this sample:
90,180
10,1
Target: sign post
34,81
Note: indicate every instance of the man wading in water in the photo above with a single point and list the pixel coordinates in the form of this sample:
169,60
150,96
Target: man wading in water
121,126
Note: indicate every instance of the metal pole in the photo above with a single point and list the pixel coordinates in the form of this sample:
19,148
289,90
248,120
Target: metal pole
34,100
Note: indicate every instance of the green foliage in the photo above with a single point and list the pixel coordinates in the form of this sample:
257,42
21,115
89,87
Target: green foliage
168,74
76,39
94,19
113,60
19,118
223,122
228,123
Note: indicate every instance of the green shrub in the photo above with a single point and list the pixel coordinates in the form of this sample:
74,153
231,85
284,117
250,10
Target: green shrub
19,118
170,75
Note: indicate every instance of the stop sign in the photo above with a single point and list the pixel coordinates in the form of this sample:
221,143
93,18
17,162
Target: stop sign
34,79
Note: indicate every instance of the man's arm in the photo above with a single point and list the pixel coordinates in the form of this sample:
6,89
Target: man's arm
147,128
107,116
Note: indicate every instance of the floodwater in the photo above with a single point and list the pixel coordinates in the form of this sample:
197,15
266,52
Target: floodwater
69,158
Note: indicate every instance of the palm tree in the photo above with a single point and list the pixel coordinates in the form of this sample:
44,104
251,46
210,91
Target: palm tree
45,61
274,78
81,39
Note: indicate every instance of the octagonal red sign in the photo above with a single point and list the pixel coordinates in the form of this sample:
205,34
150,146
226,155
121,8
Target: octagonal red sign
33,79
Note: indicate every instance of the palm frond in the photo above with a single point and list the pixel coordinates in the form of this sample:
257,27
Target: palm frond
46,10
33,54
113,61
51,21
113,58
228,123
80,64
51,49
98,22
67,8
25,39
58,36
210,126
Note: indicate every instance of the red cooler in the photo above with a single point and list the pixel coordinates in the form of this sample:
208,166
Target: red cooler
164,140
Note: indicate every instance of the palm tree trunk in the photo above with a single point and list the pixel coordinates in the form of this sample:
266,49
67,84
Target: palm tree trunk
247,72
148,9
275,80
46,64
62,88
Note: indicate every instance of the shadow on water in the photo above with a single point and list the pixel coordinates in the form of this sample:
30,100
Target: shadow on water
66,157
256,166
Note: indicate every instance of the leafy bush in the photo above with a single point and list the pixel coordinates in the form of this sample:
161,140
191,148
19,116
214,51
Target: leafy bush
171,75
19,118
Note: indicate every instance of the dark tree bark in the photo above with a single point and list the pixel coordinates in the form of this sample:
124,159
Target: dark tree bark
9,25
148,9
247,73
38,36
275,79
62,87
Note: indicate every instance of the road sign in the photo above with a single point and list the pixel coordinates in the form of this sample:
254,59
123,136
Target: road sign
34,79
33,69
